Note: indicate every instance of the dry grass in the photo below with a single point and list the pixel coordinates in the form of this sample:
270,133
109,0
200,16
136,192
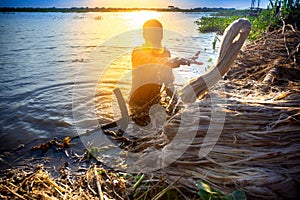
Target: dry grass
37,183
259,148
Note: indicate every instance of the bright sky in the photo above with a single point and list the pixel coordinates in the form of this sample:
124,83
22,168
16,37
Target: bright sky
240,4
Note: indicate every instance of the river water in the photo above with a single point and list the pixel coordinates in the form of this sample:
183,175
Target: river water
54,66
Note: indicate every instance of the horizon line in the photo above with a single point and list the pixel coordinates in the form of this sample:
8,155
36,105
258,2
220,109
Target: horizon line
124,8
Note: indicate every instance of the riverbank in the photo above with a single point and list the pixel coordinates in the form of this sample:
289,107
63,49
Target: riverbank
257,152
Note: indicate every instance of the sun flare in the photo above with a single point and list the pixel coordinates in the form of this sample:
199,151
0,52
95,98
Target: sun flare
136,19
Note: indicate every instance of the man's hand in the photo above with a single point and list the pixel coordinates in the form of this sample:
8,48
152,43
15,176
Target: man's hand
177,61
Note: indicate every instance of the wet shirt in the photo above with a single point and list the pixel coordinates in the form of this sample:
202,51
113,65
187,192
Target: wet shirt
150,70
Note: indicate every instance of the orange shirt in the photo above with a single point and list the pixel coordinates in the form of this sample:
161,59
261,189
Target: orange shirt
150,69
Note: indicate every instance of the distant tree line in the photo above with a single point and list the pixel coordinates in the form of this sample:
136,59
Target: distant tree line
103,9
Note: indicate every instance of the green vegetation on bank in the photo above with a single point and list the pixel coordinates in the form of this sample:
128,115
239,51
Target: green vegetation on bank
206,192
278,12
218,24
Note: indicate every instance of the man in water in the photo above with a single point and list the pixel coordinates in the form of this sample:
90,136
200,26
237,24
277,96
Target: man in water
152,67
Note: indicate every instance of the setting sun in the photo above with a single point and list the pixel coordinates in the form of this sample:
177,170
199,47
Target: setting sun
133,3
138,18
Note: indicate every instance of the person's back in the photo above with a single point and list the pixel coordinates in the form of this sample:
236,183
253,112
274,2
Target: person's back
148,77
149,66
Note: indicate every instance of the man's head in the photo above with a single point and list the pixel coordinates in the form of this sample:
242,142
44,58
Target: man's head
153,31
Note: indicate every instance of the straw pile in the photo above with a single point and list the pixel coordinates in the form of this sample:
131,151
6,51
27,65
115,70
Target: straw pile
258,151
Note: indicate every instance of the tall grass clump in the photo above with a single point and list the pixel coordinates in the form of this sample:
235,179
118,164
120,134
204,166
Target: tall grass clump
277,13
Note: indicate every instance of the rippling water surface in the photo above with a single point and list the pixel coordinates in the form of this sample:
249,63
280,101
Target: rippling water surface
56,64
